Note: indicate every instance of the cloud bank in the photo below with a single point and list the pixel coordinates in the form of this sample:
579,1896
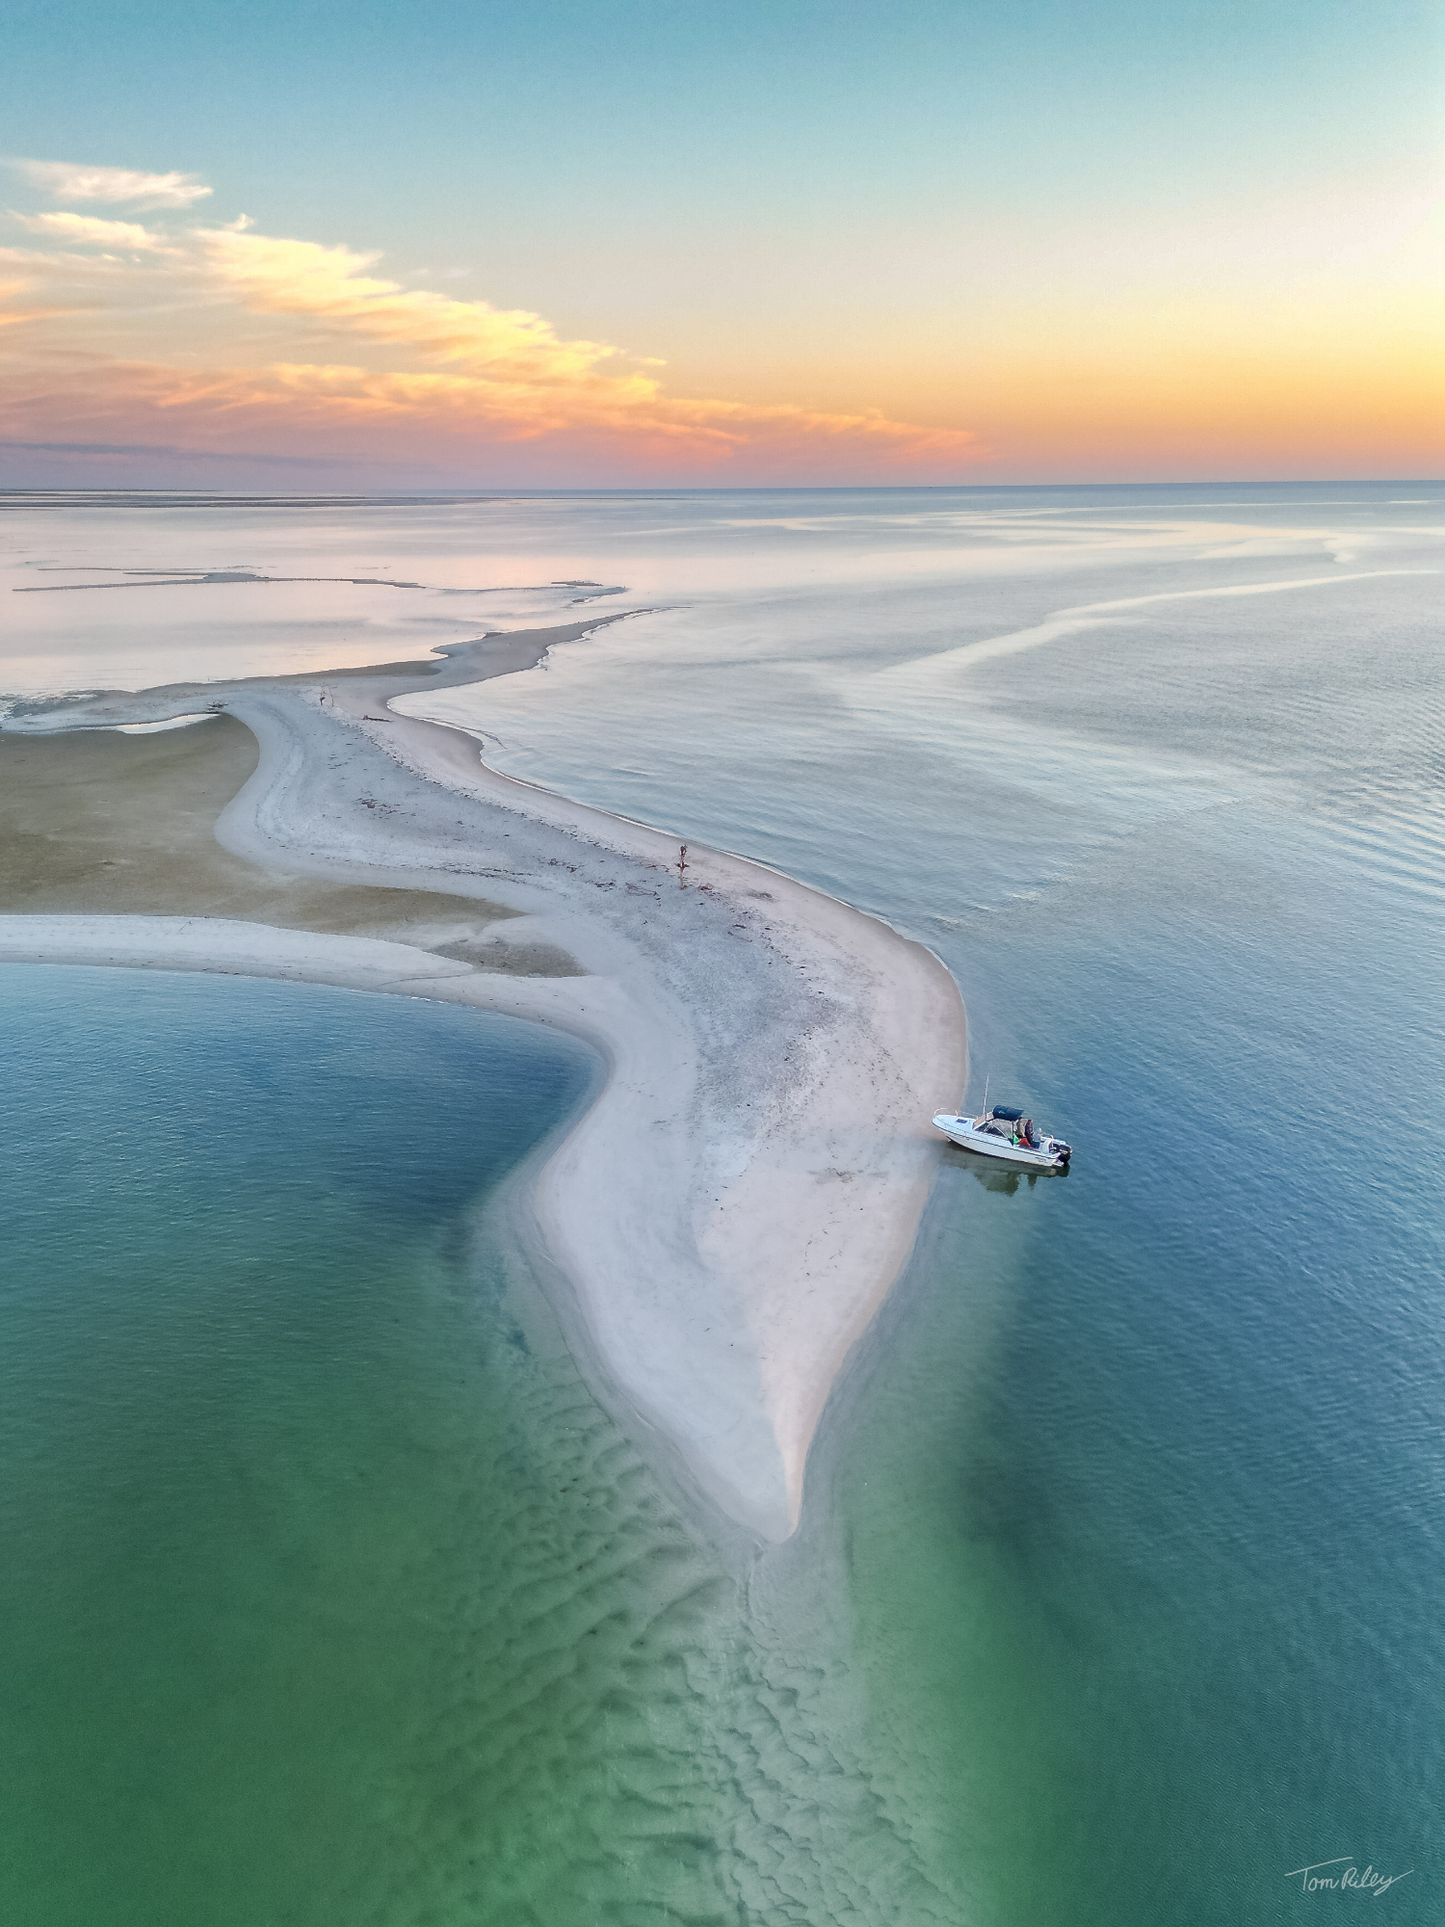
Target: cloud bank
218,338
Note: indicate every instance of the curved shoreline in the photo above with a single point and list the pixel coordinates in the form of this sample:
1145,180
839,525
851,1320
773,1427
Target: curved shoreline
736,1203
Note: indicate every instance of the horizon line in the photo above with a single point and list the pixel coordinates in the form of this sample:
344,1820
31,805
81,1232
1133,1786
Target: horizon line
497,491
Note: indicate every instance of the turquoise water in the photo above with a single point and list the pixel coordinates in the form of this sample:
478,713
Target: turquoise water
1118,1591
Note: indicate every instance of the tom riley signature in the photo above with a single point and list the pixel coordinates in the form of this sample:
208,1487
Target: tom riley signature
1342,1874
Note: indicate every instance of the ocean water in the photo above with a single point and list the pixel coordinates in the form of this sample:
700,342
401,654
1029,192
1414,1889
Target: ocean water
1118,1595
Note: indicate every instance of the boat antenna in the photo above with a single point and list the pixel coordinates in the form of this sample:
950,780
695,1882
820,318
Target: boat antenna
985,1095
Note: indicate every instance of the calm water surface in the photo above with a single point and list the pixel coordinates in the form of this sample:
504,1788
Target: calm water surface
1118,1593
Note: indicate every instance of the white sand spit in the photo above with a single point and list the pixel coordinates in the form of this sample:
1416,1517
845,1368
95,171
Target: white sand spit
733,1208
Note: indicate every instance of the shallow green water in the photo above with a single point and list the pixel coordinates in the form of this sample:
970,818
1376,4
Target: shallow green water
325,1580
330,1591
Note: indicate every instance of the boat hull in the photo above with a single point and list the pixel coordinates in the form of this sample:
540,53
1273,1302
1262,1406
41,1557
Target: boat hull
960,1131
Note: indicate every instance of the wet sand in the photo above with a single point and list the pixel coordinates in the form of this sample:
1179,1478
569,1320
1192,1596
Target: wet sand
94,822
99,823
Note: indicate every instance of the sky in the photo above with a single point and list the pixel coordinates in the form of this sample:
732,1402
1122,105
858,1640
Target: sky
647,243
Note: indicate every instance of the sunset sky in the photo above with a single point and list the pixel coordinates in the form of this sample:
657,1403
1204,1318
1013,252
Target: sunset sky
593,245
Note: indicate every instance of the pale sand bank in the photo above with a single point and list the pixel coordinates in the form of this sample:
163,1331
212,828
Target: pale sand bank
735,1205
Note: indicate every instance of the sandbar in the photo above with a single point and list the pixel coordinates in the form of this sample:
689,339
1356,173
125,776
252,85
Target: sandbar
733,1207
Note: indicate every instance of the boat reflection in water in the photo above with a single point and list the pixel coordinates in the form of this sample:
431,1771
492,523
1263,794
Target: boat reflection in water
993,1176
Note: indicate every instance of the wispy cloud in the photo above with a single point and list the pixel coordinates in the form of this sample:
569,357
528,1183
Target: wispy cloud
116,186
330,284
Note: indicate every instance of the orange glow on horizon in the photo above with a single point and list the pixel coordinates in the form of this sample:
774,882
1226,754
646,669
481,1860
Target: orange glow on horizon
220,340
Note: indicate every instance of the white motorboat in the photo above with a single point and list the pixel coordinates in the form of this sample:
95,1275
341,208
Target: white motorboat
1008,1134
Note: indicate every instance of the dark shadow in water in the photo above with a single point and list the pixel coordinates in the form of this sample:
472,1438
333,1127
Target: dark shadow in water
996,1174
